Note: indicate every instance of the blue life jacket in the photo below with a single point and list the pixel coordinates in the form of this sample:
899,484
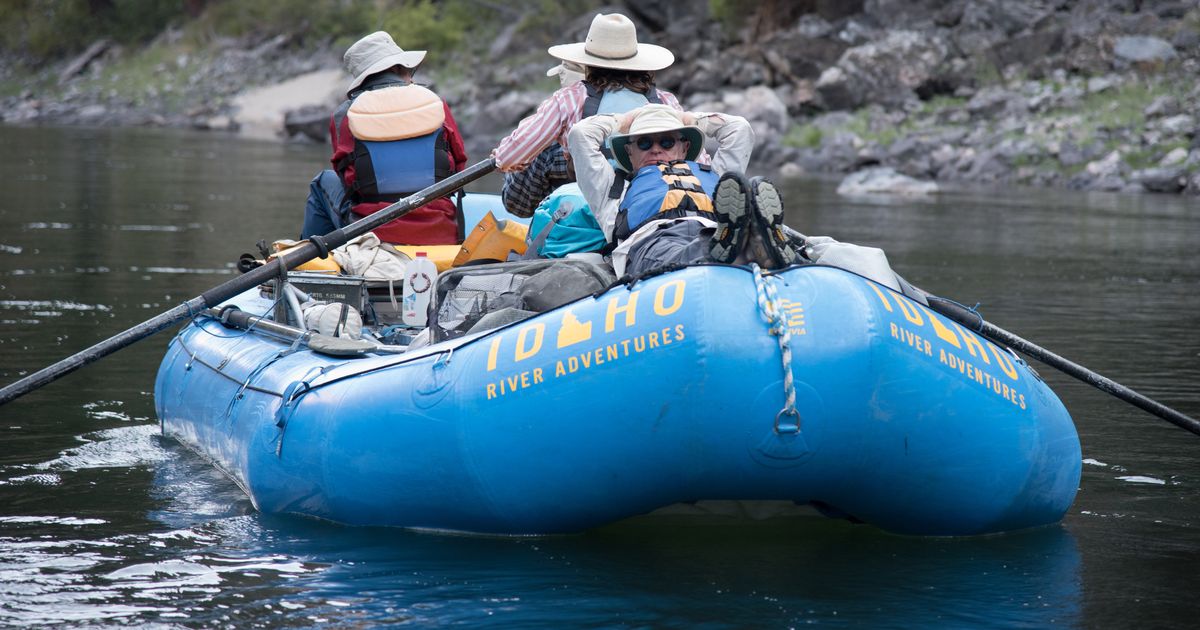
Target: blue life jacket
664,191
388,171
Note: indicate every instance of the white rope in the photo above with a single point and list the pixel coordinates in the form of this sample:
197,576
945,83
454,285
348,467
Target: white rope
772,314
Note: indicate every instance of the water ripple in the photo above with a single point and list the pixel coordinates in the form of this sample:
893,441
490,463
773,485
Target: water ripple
65,305
76,581
120,447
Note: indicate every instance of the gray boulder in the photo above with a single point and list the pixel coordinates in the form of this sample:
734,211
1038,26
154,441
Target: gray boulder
1143,49
886,71
884,181
1171,179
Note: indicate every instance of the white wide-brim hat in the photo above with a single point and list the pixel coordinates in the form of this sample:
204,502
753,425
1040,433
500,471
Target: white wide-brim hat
375,53
651,119
612,43
568,73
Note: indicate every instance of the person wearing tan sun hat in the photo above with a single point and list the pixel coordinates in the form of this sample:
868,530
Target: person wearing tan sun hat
387,125
618,76
672,210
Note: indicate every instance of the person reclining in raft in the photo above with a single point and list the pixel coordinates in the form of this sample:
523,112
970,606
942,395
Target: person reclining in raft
390,138
664,213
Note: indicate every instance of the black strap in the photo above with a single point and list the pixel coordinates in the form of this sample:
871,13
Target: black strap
341,325
460,217
591,104
322,246
617,190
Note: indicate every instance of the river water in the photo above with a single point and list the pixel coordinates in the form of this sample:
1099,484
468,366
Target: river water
105,523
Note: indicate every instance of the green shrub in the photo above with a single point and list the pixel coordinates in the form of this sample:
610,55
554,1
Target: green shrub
51,29
803,136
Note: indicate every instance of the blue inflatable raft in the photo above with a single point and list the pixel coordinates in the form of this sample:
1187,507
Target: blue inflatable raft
811,385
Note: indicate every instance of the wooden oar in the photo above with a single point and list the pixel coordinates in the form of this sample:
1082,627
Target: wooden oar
317,246
974,321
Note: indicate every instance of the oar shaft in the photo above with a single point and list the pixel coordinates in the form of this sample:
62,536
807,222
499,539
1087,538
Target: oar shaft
292,259
99,351
972,320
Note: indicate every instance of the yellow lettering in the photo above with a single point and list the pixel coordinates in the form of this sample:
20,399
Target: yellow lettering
894,327
614,307
678,332
492,352
1022,401
524,379
598,359
882,298
512,382
524,351
910,313
676,296
537,375
972,344
612,352
573,364
666,336
943,333
654,339
639,343
1005,363
491,391
559,370
586,359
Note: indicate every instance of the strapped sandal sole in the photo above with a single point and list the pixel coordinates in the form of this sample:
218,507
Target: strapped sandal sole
731,205
768,215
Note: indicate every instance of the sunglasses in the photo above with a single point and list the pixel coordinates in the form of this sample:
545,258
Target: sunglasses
666,142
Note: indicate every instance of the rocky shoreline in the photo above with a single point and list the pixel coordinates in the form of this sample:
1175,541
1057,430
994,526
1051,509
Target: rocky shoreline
1087,94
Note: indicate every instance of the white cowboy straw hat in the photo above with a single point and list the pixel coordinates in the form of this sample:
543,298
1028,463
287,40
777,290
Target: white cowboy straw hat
652,119
377,52
612,43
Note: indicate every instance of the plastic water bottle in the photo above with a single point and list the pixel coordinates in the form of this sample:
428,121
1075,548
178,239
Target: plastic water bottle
420,276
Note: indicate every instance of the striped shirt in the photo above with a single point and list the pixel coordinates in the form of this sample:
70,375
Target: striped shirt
549,124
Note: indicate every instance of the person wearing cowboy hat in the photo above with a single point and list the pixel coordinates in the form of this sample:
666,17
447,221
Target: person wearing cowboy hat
525,189
376,63
672,210
618,76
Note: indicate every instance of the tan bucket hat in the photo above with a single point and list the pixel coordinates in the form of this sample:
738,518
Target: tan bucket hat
375,53
612,43
651,119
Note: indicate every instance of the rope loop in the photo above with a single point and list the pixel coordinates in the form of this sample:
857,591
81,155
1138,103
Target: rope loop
772,314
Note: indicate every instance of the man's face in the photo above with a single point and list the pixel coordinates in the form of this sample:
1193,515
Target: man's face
656,147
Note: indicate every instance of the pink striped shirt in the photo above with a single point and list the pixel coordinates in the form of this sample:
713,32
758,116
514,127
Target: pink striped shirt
550,123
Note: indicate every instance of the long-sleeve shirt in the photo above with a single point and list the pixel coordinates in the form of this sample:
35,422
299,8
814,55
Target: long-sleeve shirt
434,223
735,140
524,190
549,124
